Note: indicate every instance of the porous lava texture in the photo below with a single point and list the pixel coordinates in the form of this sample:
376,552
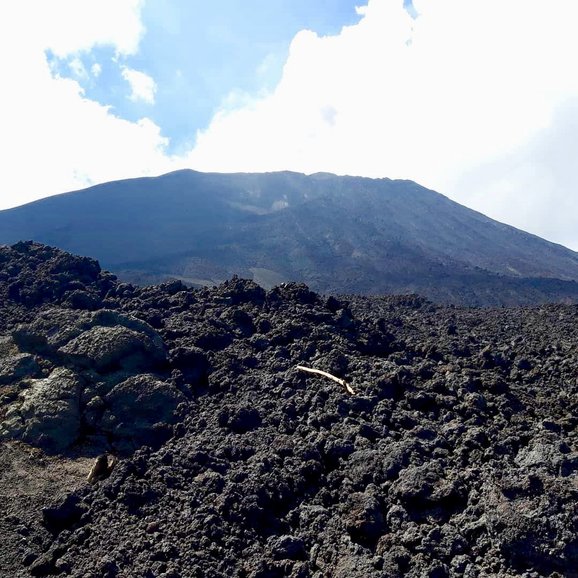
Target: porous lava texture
457,454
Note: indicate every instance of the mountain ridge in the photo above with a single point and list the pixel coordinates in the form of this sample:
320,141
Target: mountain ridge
338,234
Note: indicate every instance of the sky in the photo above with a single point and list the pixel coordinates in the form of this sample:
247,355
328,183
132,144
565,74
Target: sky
476,99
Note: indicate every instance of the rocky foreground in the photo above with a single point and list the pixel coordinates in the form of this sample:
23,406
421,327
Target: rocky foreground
456,455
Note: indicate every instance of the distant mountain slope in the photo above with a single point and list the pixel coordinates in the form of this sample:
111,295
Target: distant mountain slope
340,234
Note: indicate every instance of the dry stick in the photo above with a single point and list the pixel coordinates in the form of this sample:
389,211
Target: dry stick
325,374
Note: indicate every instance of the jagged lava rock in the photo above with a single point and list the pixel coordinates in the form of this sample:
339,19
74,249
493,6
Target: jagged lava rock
456,457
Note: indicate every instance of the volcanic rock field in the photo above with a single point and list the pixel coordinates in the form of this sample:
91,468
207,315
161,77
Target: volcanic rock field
455,455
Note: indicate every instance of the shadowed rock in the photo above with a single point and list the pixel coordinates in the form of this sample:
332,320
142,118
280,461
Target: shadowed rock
139,411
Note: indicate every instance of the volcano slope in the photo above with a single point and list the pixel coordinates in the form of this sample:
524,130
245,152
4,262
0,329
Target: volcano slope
337,234
457,454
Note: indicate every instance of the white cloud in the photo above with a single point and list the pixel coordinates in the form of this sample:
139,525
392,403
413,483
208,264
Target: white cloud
534,187
143,87
96,69
68,26
53,138
78,68
467,85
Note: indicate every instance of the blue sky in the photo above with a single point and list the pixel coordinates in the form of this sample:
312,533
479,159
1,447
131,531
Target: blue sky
200,54
477,99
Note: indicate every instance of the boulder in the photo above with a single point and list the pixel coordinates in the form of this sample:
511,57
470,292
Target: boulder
47,413
288,547
103,340
531,527
363,518
139,411
15,365
50,330
109,348
548,453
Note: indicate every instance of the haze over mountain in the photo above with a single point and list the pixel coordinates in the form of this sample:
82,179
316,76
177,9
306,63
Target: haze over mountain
337,234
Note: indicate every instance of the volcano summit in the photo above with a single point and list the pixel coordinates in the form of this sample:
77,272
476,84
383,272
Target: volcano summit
336,234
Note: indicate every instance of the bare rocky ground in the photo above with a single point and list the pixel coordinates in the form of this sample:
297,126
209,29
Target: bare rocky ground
457,455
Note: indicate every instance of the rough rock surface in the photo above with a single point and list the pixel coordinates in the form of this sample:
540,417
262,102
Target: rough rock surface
458,455
47,412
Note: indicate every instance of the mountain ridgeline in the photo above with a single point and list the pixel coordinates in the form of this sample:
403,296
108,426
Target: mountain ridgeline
337,234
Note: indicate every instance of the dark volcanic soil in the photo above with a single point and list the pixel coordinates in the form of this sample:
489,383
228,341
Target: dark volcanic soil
456,456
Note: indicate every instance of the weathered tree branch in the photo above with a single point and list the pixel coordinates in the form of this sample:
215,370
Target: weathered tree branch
328,375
